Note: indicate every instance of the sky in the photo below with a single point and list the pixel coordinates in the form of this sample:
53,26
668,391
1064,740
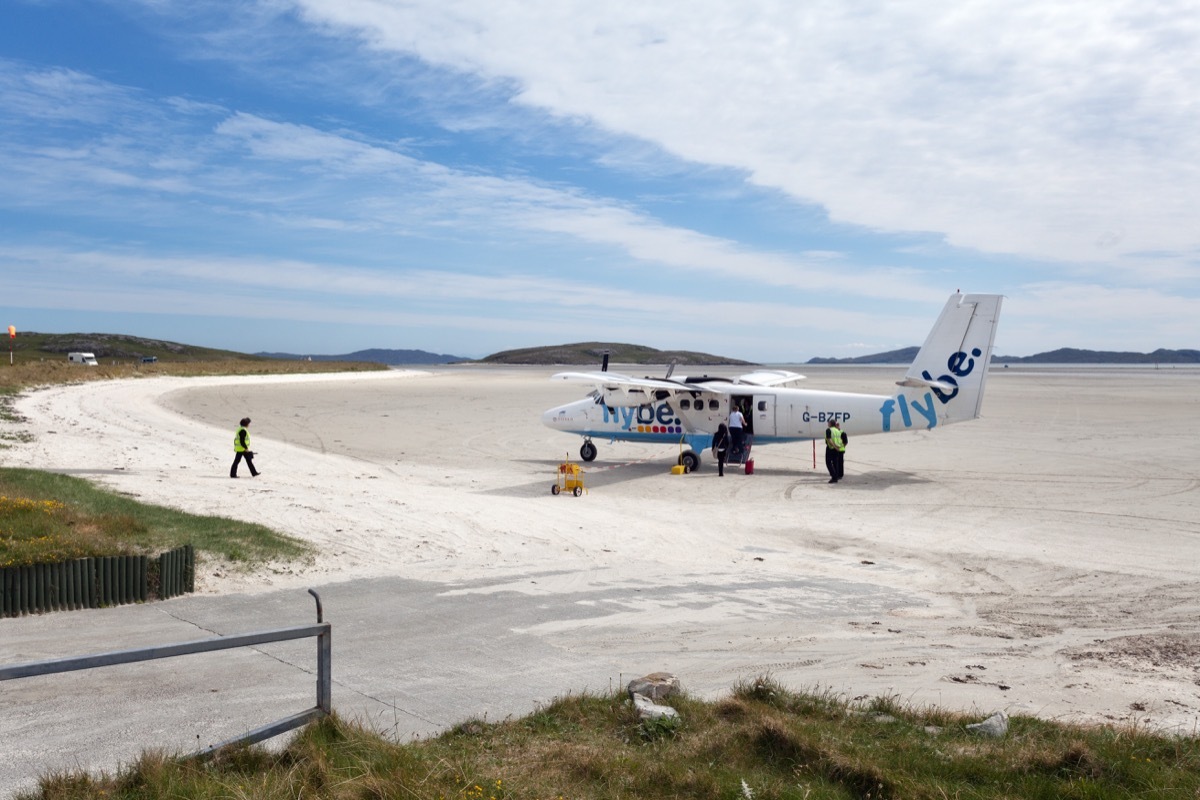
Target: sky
765,180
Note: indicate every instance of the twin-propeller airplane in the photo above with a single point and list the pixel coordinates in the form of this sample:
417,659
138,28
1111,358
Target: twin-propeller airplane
943,385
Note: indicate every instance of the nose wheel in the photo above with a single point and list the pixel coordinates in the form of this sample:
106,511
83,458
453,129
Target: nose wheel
588,451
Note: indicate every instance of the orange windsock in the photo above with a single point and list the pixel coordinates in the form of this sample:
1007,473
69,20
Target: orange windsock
12,332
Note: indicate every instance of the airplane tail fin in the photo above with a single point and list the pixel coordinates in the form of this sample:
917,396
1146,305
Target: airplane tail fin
953,362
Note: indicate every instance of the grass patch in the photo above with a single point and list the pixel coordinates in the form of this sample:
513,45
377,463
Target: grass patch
761,743
8,395
46,517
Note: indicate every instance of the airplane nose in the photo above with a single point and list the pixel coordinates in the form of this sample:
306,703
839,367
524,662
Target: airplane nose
550,417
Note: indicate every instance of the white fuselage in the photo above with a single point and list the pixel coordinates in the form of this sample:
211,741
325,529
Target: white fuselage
944,384
775,415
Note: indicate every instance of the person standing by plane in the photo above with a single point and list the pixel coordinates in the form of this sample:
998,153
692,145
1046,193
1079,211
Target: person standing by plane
721,448
737,432
835,451
241,449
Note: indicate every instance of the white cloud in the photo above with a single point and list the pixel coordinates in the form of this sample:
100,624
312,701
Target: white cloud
536,307
547,209
1060,131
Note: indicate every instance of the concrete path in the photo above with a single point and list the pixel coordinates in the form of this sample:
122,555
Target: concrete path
410,659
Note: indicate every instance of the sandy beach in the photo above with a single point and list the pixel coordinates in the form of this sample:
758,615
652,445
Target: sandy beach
1041,560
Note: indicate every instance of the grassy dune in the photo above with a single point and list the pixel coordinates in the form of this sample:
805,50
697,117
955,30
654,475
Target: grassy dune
761,743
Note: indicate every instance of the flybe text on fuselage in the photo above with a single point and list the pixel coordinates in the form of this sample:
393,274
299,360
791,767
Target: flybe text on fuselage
644,419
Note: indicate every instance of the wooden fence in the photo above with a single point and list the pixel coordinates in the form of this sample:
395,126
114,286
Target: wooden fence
96,582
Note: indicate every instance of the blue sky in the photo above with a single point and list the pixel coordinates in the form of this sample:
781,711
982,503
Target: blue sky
765,180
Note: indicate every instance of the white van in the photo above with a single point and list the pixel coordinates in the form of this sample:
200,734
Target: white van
83,358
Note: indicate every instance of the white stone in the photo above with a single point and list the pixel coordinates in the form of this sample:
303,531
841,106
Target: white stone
995,726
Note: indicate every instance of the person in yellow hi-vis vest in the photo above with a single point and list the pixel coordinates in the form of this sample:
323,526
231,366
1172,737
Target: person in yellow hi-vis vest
835,451
241,449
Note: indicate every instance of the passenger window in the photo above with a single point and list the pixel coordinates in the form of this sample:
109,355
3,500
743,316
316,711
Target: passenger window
714,405
685,404
762,405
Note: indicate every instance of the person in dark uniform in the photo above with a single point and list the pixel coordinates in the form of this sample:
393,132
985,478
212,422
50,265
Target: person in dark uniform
835,451
241,449
721,447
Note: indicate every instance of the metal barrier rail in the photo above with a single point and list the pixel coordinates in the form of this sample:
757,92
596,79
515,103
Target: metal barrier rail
322,630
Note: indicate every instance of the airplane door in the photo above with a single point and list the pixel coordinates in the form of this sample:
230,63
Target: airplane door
764,415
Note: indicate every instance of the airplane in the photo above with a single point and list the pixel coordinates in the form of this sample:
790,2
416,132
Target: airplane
943,385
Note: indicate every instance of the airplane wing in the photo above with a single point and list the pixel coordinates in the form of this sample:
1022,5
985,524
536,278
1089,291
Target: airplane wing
769,377
615,380
624,390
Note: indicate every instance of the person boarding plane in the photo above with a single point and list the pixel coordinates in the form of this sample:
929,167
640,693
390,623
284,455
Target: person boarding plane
944,385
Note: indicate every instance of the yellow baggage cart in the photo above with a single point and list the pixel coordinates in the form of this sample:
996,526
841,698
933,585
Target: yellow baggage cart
570,479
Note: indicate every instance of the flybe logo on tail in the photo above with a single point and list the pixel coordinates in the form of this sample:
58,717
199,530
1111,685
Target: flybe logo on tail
960,365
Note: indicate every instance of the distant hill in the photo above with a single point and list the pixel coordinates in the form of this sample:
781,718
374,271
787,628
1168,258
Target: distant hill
376,356
592,354
1070,355
112,346
1064,355
30,345
902,356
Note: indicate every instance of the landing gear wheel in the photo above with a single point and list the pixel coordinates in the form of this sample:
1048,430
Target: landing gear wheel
578,491
554,489
588,452
690,461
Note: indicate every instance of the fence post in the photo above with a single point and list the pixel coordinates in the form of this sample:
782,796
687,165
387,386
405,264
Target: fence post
79,565
26,589
39,587
123,582
189,568
324,660
54,585
89,582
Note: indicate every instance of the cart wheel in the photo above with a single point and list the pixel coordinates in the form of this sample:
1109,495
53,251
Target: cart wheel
578,491
554,489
